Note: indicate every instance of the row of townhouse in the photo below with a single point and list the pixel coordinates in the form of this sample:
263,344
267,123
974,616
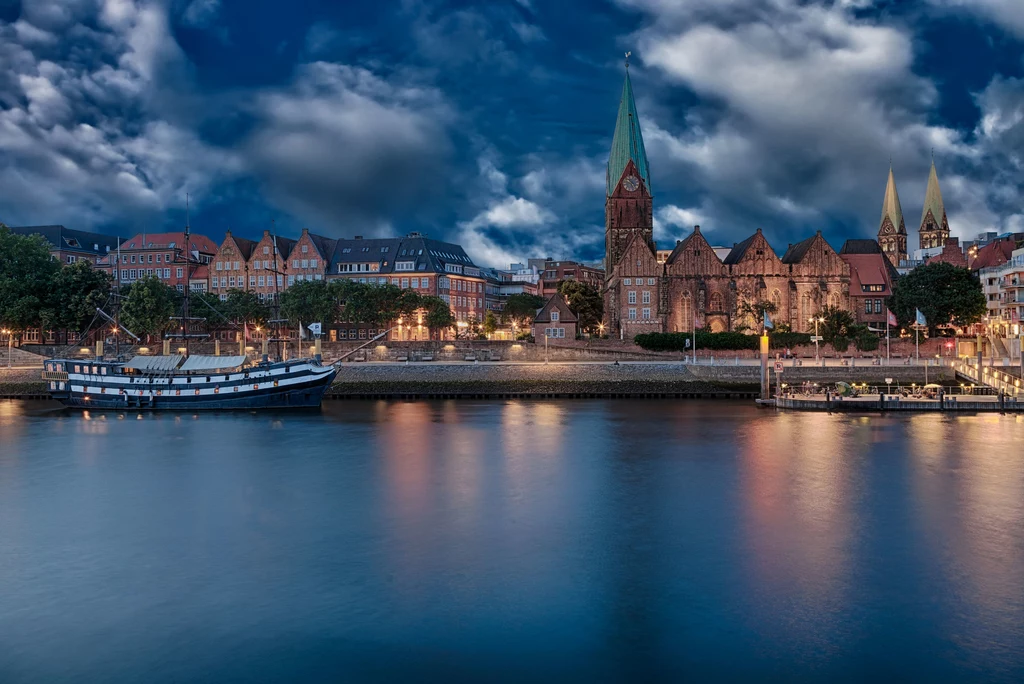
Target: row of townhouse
429,267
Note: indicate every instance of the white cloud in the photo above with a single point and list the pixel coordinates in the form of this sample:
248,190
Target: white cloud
201,13
800,106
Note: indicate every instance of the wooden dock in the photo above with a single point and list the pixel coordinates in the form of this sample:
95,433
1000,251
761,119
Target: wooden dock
891,402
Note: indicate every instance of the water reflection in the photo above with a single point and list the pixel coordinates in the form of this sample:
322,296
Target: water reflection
620,540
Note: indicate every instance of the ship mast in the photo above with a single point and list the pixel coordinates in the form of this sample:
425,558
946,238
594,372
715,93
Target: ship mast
185,318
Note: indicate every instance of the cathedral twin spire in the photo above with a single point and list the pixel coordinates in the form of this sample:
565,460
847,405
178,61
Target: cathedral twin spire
892,231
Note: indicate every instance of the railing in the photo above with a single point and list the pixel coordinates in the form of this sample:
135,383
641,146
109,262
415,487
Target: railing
992,377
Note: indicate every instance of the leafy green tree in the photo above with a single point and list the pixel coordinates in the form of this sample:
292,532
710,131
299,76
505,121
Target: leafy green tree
208,306
309,301
26,278
943,292
76,291
147,307
243,306
586,301
837,327
438,314
753,312
490,323
522,308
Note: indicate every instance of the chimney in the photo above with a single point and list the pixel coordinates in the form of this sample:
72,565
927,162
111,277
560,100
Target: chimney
358,237
305,231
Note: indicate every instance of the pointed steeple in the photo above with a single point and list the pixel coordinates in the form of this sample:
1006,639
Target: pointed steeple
627,142
934,227
891,207
892,229
933,199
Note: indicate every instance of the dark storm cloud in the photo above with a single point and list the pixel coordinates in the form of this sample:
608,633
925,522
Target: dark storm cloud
344,148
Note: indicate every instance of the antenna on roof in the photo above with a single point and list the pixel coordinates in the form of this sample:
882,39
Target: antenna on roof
627,58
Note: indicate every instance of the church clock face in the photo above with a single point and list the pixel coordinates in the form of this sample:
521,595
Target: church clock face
631,183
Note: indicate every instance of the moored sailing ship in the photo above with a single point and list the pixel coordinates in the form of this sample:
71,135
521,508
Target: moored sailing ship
188,383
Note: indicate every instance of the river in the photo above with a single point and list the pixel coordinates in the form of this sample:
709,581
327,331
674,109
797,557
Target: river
510,541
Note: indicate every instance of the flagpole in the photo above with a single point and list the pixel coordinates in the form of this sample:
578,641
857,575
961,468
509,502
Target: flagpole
887,314
695,340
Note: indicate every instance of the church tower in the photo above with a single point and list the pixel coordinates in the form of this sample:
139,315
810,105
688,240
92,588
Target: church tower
934,227
627,209
892,231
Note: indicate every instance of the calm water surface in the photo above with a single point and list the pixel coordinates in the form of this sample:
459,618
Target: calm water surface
510,541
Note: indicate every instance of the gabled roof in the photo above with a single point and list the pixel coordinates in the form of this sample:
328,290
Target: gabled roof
995,253
738,250
933,198
70,240
245,247
627,142
861,247
869,269
796,253
324,245
891,206
557,301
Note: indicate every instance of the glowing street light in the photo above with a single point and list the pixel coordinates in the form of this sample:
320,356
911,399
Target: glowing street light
816,320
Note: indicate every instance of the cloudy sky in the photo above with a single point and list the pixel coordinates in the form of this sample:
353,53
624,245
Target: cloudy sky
489,123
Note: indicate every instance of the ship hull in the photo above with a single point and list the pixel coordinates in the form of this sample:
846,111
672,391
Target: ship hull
270,388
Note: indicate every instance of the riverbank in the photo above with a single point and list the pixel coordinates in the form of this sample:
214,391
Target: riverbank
564,379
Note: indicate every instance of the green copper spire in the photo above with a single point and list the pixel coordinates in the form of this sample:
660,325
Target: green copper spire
933,200
627,143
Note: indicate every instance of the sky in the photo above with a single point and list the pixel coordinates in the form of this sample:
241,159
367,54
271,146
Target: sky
489,124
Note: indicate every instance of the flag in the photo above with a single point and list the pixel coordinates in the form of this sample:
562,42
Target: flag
919,318
891,317
245,332
767,322
302,331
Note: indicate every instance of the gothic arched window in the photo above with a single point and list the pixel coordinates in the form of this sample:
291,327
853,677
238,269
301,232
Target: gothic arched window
715,303
687,312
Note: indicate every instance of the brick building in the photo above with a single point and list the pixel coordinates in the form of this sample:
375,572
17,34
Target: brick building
269,266
695,285
429,267
952,253
871,277
68,246
555,320
552,272
163,255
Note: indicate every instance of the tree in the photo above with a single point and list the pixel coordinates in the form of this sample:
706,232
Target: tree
490,323
522,308
245,307
438,314
755,311
309,301
585,301
837,327
943,292
76,291
148,306
26,278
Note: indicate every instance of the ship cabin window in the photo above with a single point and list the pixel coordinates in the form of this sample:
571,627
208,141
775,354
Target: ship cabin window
103,370
207,378
78,369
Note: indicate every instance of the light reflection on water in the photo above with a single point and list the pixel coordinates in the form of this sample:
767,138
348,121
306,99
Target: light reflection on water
615,541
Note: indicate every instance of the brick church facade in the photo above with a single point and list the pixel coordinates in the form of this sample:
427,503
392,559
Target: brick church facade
695,286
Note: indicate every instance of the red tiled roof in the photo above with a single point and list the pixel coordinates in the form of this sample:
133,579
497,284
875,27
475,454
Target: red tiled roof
867,269
994,253
201,272
164,240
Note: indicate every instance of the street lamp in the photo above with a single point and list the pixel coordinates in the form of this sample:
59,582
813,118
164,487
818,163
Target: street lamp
10,343
816,320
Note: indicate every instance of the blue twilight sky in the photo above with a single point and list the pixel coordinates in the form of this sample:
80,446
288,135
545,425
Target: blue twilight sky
489,123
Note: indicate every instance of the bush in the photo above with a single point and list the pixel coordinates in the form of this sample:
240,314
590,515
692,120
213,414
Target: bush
867,341
840,343
723,341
